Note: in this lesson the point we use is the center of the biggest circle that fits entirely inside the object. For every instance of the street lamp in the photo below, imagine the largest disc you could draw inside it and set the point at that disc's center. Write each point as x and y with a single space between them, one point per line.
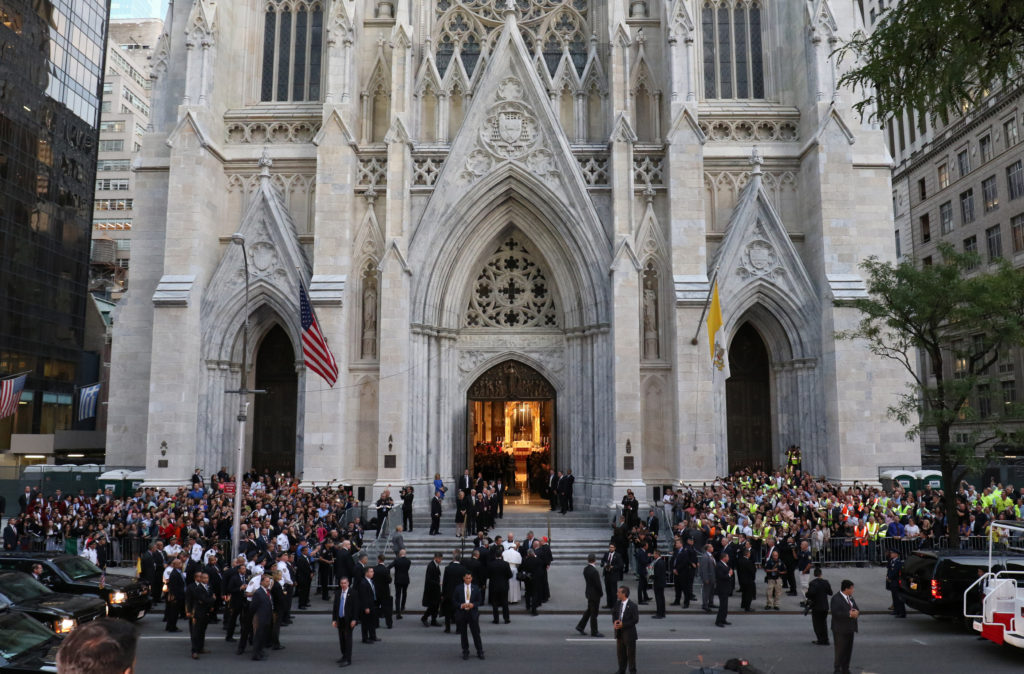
243 406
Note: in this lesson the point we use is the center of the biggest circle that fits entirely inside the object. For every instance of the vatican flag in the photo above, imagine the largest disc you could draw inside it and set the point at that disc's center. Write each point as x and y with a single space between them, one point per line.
716 335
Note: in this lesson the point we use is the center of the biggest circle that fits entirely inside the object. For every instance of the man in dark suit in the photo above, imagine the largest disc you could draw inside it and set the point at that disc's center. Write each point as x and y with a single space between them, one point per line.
570 480
11 535
432 591
175 597
367 593
325 559
612 571
465 600
382 584
553 490
660 571
234 590
435 514
262 611
303 573
216 583
199 604
346 615
723 588
818 593
625 616
746 574
593 593
401 567
844 626
498 574
156 581
450 582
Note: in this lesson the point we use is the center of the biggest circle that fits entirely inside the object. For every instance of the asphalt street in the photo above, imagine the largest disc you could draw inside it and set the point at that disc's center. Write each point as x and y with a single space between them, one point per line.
773 642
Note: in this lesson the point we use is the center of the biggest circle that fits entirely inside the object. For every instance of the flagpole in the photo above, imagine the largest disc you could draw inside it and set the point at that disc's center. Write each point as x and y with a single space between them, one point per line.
707 302
14 376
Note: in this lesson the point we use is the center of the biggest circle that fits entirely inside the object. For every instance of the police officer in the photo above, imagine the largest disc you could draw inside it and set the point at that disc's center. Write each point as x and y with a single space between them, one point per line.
893 574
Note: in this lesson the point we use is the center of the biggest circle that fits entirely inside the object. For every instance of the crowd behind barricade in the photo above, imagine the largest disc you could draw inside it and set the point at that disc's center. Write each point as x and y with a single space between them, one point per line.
788 509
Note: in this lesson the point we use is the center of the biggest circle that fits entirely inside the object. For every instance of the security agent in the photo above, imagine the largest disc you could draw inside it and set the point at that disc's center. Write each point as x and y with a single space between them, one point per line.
103 646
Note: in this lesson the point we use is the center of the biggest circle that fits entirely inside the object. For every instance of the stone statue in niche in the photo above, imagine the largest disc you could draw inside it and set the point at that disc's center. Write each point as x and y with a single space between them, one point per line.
369 333
650 313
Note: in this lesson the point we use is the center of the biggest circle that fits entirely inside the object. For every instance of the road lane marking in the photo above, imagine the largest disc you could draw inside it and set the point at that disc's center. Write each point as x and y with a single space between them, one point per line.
611 641
918 641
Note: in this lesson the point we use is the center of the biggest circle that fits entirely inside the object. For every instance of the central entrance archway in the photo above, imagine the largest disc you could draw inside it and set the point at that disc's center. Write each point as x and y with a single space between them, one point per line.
511 426
748 401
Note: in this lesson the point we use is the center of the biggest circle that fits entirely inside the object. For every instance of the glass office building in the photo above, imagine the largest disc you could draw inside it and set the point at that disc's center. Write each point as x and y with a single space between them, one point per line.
50 78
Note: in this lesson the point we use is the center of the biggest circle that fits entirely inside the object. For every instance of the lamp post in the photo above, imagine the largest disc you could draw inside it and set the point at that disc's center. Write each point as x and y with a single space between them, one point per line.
243 406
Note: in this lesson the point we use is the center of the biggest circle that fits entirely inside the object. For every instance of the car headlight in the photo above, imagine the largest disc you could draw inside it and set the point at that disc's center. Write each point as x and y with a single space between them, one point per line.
64 625
118 597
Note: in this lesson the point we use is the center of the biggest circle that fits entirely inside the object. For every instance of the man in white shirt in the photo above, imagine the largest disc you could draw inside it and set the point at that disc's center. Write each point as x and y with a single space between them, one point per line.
282 540
196 550
172 549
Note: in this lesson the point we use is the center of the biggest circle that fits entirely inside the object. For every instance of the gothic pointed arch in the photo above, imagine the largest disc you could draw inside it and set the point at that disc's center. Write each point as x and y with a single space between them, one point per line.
645 95
517 170
758 265
376 99
275 259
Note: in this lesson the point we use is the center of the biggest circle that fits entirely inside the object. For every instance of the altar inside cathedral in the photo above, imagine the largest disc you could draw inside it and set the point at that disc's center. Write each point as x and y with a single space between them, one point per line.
512 439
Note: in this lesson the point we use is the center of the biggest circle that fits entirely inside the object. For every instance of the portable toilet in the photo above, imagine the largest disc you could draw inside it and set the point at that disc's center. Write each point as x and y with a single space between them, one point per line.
898 477
115 480
929 477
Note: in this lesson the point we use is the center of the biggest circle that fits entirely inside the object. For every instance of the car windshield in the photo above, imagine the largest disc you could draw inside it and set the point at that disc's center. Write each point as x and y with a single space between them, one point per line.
19 587
77 567
19 634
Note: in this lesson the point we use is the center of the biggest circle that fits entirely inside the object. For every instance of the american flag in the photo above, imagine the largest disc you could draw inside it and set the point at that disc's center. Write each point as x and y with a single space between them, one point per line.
10 394
315 351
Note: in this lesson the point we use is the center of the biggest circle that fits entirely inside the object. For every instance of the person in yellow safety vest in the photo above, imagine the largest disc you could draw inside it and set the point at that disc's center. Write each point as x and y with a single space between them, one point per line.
860 543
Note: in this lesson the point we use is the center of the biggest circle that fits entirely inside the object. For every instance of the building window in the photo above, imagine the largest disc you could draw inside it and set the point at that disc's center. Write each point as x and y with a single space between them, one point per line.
112 184
113 165
137 101
946 217
1015 179
959 360
990 192
922 189
292 50
1017 228
943 173
963 162
105 106
733 61
926 261
119 225
985 147
971 247
1009 389
108 87
994 240
926 228
112 127
111 146
967 207
1010 131
113 204
899 246
984 401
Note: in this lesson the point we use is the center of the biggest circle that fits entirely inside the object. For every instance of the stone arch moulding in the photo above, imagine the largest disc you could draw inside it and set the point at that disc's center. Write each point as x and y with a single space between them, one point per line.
574 254
490 361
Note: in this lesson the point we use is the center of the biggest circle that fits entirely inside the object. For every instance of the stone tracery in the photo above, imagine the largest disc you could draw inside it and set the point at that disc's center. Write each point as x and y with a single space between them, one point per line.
511 291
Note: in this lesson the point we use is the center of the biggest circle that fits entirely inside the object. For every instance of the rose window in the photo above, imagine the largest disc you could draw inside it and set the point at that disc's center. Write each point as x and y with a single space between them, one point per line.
511 292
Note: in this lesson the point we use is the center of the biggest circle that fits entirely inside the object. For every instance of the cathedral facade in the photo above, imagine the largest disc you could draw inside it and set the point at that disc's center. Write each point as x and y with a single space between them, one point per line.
508 215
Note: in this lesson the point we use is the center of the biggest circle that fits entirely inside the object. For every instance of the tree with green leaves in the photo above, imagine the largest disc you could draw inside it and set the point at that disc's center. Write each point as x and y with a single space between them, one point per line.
935 56
954 313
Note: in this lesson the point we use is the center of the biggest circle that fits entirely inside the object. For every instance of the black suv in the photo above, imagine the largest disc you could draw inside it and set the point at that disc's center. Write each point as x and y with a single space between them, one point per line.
934 581
26 645
126 597
58 611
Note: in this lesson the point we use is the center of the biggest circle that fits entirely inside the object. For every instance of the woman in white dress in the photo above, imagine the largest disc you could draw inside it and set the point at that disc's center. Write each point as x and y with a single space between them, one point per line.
514 559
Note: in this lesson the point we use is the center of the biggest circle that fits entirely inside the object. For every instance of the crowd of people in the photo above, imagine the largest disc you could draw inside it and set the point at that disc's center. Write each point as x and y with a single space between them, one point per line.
714 538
